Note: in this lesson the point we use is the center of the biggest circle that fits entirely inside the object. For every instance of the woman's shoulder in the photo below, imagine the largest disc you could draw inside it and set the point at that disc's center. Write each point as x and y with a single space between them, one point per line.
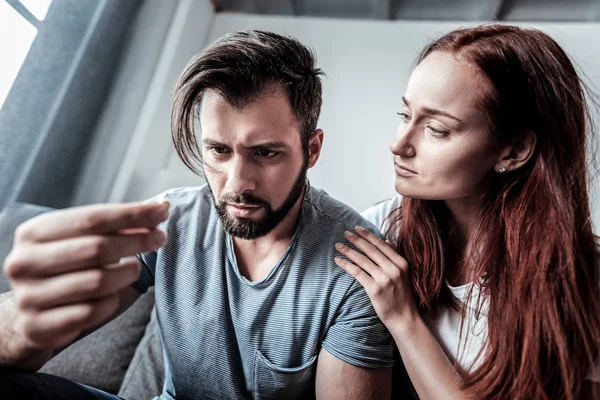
378 213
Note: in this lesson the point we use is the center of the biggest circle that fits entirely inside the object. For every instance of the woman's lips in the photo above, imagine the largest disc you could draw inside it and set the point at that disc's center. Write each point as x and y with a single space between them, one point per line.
403 171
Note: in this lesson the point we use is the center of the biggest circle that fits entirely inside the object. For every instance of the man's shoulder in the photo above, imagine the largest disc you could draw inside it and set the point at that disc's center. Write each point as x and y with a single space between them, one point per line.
181 196
187 204
378 213
326 212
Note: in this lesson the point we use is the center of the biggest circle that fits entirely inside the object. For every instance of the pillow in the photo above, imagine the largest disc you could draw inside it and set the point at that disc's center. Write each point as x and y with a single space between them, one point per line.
146 374
102 358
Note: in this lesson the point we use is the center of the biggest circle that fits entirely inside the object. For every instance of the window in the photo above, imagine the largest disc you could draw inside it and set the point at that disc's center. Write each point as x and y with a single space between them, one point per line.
19 22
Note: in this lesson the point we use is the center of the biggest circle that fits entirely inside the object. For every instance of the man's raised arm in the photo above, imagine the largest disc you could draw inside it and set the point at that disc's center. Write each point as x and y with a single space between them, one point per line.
67 278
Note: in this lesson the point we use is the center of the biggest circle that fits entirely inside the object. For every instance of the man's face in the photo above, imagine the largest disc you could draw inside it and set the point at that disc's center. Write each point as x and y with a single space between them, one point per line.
253 161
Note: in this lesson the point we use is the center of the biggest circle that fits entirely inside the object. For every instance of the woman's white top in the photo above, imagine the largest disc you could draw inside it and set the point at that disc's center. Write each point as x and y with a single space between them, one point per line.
445 325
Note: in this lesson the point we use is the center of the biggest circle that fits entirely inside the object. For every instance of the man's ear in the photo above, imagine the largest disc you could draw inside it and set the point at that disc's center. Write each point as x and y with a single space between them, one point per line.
315 144
516 154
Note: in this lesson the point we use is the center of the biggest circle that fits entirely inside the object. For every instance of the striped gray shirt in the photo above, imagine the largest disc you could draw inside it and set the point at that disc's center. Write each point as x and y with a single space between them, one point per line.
227 337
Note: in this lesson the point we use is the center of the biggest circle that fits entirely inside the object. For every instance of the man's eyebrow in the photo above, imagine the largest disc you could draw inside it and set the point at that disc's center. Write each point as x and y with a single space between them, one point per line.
267 145
211 142
257 146
433 111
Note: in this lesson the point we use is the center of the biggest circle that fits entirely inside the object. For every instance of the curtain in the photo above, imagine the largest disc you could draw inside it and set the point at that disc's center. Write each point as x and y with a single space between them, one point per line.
47 121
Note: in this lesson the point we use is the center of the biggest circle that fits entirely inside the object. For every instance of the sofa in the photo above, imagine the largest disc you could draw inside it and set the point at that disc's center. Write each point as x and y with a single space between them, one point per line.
124 357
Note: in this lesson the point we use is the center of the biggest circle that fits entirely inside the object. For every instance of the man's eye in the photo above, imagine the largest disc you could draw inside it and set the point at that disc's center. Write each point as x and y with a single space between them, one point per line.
266 153
219 150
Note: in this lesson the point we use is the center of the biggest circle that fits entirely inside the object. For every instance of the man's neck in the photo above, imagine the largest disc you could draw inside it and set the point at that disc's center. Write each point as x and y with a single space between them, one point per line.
256 257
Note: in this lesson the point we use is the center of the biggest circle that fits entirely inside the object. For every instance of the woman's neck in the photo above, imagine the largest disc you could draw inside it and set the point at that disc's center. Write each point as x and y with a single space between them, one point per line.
463 216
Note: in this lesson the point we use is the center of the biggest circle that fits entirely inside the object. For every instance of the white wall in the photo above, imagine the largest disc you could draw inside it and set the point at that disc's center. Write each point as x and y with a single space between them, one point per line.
144 171
367 65
124 105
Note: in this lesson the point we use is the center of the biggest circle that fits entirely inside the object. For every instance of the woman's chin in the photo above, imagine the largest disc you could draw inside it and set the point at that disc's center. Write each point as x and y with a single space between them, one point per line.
414 193
405 190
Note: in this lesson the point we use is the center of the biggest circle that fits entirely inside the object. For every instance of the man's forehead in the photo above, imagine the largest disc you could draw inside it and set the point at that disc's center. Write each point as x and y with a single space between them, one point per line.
266 119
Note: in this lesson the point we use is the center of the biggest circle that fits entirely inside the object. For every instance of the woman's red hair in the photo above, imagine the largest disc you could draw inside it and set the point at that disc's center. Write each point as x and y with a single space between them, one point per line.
538 260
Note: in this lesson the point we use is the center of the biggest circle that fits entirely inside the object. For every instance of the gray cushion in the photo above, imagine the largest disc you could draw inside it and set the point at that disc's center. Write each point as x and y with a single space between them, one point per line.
145 377
102 358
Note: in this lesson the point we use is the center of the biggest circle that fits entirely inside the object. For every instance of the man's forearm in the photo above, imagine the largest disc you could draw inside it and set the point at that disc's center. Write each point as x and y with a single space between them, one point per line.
14 352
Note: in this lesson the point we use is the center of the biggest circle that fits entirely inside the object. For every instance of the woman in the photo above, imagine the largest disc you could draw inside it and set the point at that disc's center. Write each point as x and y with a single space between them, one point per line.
489 279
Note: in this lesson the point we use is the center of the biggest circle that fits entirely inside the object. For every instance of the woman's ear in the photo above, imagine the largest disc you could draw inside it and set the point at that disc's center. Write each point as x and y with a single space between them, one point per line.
516 154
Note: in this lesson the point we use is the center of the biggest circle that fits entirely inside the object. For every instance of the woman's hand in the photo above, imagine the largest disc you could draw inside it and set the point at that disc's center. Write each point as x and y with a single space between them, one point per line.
382 272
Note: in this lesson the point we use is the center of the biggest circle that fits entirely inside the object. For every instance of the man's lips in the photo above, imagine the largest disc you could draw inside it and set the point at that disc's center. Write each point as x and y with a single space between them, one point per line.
243 205
243 210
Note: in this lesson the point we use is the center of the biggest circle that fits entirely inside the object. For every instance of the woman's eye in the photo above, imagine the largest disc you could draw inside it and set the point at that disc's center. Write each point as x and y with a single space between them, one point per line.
404 116
266 153
436 132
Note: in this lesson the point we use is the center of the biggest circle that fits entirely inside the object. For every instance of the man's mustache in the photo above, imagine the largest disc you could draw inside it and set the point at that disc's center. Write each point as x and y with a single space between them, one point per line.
243 198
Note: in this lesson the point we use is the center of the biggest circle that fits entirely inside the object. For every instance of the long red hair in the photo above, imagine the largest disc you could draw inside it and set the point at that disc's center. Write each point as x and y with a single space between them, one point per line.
537 257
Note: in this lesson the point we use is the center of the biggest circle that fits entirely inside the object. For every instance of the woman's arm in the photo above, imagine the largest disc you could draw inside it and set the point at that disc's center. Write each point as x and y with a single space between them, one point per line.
386 278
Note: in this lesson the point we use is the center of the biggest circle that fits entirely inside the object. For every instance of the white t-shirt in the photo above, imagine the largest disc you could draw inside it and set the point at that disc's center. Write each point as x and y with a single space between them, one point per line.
446 324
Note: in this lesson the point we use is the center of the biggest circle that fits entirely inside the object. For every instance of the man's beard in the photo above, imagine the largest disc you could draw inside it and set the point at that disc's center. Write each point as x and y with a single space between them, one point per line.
246 228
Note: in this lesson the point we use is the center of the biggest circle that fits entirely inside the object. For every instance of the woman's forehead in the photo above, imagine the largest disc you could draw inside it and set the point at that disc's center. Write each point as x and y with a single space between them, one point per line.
443 81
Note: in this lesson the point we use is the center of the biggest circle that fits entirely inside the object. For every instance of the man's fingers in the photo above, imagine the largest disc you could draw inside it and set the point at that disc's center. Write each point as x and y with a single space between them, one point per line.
58 327
76 287
91 220
54 258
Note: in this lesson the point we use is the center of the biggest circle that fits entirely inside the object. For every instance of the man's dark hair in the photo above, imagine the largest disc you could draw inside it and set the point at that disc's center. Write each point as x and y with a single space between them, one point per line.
240 67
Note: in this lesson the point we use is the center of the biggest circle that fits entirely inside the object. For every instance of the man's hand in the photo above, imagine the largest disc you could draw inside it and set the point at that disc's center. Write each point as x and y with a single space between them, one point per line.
65 272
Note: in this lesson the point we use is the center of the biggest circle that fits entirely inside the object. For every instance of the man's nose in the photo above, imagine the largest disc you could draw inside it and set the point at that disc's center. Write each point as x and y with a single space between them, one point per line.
240 176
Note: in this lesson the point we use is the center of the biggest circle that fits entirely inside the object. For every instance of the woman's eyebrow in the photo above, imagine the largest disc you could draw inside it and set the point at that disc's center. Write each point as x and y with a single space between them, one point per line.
433 111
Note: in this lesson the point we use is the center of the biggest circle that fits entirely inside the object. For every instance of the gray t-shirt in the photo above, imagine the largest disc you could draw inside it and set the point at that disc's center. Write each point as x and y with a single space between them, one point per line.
226 337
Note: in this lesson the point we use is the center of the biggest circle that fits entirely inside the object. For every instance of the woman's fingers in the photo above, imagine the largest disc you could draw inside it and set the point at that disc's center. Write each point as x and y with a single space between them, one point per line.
357 273
381 271
364 262
357 258
384 248
374 253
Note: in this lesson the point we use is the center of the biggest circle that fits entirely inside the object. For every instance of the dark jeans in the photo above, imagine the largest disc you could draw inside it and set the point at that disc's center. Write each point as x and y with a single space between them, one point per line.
17 385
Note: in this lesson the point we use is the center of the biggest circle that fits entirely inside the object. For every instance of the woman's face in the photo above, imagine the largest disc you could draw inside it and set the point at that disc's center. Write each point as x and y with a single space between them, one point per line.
444 149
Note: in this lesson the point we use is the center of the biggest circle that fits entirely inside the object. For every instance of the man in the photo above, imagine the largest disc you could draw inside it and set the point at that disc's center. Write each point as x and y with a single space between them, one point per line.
249 300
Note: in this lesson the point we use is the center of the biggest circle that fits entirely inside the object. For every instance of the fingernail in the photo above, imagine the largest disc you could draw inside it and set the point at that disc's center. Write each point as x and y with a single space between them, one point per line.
360 229
339 246
348 235
164 198
160 213
162 238
337 259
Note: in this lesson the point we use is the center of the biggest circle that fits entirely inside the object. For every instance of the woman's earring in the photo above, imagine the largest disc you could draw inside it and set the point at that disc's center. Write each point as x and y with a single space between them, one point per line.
502 169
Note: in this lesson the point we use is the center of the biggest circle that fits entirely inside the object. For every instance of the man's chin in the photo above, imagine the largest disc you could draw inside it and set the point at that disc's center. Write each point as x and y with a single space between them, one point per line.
246 228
